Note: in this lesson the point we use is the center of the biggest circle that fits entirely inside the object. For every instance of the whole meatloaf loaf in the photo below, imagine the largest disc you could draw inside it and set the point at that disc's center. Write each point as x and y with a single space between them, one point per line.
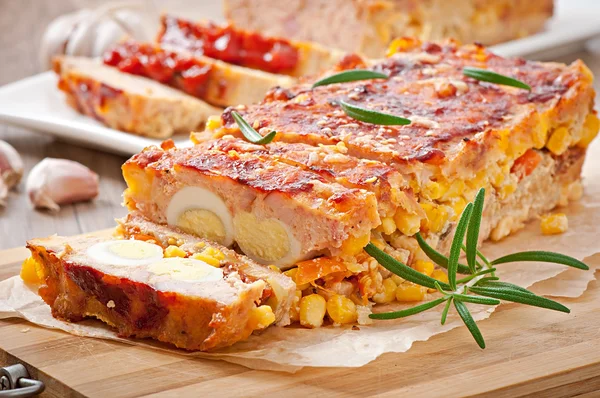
191 293
368 26
526 148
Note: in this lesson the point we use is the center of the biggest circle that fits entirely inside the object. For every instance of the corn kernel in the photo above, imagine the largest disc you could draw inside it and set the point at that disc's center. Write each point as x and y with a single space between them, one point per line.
559 141
590 130
409 292
389 225
174 251
213 123
439 275
341 309
402 44
424 267
388 294
434 190
261 317
397 279
312 310
540 134
354 245
458 205
554 224
436 216
506 190
210 256
408 224
31 272
456 189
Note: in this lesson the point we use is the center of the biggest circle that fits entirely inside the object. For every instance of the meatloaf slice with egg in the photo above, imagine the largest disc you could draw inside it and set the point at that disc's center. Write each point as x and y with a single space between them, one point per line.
275 212
175 294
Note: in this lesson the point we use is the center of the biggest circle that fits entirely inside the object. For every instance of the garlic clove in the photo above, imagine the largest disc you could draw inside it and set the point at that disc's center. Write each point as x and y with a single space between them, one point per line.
11 165
53 182
56 36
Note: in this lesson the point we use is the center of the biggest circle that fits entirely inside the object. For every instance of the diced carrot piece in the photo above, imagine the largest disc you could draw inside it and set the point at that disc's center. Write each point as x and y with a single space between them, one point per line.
525 164
314 269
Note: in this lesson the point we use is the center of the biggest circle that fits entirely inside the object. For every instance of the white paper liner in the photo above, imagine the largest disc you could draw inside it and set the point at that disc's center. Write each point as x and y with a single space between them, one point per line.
289 349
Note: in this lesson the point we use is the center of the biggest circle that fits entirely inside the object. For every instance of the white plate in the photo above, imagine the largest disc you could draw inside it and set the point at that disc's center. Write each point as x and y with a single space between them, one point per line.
37 104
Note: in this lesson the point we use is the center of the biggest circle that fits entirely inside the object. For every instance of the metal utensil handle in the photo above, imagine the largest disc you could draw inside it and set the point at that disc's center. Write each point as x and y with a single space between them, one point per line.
15 382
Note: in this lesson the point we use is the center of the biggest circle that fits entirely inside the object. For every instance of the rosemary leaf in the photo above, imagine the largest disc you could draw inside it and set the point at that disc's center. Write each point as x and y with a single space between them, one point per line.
486 279
518 296
464 313
350 76
493 77
438 257
371 116
402 270
473 230
475 299
251 134
409 311
542 256
459 235
445 312
475 275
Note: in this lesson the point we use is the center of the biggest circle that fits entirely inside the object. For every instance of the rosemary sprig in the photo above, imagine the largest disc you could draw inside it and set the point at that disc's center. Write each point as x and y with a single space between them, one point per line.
251 134
350 76
481 285
493 77
371 116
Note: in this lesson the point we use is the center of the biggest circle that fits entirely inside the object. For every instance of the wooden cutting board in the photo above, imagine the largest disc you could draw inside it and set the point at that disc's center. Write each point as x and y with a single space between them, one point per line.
530 351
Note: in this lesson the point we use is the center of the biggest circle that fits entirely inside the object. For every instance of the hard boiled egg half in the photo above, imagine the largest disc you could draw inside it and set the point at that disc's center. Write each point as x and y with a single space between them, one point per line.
200 212
125 252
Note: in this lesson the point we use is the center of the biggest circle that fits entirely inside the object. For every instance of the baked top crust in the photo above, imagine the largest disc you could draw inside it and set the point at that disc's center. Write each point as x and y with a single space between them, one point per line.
450 113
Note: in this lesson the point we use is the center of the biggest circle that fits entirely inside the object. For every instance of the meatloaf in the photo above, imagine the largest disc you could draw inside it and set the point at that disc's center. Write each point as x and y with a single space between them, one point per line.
368 26
192 294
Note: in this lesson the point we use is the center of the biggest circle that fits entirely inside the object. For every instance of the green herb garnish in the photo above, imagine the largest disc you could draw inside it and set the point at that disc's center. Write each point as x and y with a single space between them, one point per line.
373 117
251 134
481 286
493 77
350 76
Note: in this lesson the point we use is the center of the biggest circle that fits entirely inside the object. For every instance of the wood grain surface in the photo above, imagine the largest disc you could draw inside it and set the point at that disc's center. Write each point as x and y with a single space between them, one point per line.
530 352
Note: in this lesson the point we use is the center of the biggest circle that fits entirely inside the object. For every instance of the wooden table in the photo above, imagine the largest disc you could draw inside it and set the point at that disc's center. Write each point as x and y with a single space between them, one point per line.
22 23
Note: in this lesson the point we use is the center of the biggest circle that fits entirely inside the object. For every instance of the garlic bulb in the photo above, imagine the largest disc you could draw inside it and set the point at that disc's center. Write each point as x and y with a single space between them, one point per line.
53 182
11 170
89 32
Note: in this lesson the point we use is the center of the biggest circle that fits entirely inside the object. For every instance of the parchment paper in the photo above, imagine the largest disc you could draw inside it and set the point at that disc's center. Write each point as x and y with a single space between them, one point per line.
289 349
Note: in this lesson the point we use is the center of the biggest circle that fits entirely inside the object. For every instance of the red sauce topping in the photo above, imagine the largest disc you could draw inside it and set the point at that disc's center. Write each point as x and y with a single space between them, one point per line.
230 44
176 70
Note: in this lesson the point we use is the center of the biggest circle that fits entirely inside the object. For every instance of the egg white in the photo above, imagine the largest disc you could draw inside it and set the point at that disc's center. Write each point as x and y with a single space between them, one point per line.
190 198
186 269
125 252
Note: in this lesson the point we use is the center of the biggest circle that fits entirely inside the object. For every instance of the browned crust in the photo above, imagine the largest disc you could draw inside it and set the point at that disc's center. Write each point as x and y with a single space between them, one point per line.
451 128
